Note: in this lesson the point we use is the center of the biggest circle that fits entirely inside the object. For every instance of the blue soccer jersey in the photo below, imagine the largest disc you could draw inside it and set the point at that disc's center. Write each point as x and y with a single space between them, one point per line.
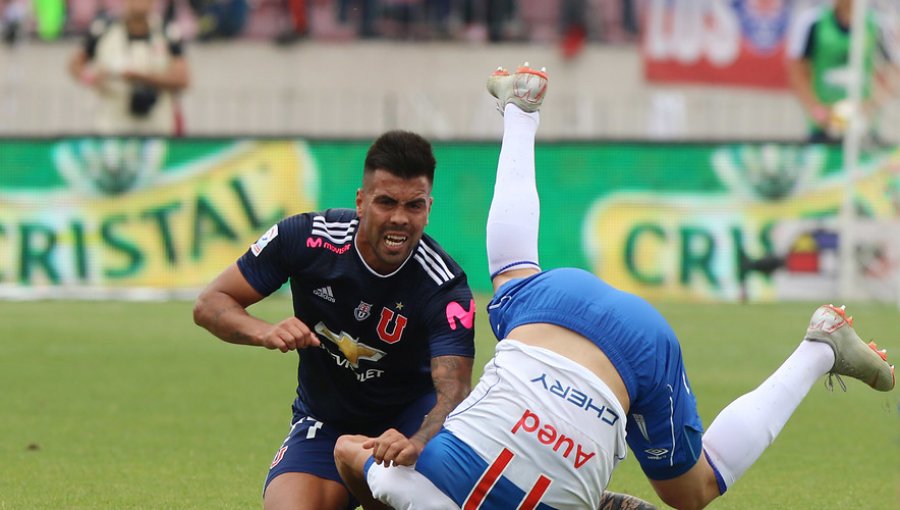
663 426
378 332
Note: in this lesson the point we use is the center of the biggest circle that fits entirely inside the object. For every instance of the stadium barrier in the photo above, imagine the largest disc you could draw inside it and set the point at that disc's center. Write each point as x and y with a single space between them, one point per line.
156 218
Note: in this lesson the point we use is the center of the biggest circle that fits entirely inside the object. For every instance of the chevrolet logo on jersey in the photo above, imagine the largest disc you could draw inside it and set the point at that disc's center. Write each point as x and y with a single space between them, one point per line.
351 348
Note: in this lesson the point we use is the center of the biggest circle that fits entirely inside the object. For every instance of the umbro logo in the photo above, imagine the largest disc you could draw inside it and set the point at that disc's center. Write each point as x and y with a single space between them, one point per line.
656 453
325 293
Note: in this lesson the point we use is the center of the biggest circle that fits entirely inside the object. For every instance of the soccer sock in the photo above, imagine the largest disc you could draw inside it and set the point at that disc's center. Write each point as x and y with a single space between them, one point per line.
747 426
512 227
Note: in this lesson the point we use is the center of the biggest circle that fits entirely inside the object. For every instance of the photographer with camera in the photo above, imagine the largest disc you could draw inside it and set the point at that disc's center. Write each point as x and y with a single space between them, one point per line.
137 66
818 65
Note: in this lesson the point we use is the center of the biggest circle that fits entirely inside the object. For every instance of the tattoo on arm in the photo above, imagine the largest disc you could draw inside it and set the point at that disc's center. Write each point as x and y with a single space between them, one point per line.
222 311
238 337
616 501
222 324
452 376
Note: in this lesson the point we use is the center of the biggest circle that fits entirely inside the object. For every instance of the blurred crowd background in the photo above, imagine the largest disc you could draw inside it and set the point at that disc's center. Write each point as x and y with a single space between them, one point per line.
287 21
353 68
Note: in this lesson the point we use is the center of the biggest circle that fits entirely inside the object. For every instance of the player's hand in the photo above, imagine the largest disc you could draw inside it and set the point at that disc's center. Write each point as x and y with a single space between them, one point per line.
132 76
288 335
820 114
94 78
393 448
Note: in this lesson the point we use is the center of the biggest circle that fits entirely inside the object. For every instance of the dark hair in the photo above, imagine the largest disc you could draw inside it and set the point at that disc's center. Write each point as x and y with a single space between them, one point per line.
403 154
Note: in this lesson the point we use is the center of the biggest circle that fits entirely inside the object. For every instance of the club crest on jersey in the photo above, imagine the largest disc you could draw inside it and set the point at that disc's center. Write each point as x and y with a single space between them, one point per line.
278 456
257 247
362 311
393 334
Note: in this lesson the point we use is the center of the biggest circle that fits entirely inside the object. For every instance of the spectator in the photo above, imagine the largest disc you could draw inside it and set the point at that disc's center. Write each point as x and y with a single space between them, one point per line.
219 19
573 17
12 15
366 12
298 22
618 23
497 15
137 66
818 67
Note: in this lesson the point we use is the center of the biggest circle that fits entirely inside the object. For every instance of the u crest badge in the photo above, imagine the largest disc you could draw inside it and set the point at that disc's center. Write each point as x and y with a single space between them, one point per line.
362 311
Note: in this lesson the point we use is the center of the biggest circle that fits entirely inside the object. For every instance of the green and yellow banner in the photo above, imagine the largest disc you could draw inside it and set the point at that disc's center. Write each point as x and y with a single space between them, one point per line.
666 221
130 214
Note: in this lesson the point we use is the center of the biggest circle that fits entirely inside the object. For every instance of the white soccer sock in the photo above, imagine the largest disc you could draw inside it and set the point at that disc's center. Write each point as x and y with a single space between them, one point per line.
747 426
512 227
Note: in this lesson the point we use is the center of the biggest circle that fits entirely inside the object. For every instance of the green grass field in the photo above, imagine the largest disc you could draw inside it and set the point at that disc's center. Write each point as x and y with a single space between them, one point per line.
110 405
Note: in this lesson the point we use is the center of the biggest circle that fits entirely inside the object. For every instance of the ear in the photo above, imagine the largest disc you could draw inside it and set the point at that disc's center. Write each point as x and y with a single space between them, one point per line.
359 201
428 214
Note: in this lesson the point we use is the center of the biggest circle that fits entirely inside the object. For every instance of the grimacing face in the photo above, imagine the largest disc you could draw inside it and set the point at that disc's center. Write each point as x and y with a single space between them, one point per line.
392 213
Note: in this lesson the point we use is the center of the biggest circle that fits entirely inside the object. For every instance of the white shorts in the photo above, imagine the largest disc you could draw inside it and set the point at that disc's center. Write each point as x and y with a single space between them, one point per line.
538 431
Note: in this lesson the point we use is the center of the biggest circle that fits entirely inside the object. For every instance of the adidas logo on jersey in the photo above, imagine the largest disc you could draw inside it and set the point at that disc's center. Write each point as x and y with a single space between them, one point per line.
325 293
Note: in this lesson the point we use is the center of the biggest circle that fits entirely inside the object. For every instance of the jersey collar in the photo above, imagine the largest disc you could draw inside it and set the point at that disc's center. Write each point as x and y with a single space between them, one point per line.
376 273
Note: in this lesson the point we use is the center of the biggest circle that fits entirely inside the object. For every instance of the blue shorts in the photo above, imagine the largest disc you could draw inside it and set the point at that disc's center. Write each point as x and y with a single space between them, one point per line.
309 447
665 433
664 428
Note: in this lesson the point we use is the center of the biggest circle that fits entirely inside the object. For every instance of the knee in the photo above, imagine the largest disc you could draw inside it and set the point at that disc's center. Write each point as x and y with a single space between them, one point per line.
348 449
688 496
344 448
685 501
690 491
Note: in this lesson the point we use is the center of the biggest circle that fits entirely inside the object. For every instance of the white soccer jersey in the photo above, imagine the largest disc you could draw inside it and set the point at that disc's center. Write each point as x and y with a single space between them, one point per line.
538 432
544 423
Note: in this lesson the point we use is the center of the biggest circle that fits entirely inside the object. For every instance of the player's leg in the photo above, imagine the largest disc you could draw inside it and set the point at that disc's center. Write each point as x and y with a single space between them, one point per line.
664 430
379 487
350 458
738 436
303 475
747 426
512 228
735 439
295 491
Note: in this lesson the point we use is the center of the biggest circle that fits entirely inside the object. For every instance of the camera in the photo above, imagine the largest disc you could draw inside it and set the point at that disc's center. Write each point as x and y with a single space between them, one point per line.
143 98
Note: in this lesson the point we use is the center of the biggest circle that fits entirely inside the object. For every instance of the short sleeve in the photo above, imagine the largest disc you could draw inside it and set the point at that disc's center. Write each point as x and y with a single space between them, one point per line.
451 320
265 264
95 31
174 39
800 36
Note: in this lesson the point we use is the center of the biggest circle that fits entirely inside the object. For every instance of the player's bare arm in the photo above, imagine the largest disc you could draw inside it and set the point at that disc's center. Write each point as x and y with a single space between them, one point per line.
175 78
452 376
799 74
222 309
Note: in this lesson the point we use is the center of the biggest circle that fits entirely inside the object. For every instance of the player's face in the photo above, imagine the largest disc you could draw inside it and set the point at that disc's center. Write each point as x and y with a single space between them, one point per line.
393 213
138 8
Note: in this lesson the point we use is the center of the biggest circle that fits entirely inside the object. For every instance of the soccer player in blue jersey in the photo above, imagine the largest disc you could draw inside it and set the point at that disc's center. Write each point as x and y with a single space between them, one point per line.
579 364
383 323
